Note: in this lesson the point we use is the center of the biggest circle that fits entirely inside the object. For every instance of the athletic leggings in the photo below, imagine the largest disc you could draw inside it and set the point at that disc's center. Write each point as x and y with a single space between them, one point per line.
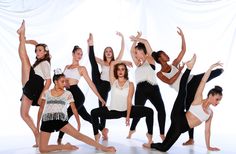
79 103
179 123
102 86
136 112
192 88
145 91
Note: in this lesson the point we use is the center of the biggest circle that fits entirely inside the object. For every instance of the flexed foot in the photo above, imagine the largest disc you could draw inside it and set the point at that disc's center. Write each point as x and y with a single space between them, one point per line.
130 134
191 62
189 142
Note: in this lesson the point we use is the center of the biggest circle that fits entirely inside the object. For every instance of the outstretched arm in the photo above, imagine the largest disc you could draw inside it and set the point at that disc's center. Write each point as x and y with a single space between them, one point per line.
33 42
208 134
183 49
84 73
121 53
129 102
198 94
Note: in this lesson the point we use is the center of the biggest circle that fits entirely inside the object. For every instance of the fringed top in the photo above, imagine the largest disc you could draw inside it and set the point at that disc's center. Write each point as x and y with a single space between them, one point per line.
56 106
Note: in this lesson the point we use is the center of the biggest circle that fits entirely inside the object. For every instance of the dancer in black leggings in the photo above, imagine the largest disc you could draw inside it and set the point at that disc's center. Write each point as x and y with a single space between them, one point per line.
199 111
122 91
147 87
73 73
101 80
171 75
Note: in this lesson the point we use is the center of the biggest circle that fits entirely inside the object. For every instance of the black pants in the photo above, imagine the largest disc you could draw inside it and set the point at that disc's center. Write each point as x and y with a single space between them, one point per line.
179 122
136 112
102 86
145 91
192 88
79 103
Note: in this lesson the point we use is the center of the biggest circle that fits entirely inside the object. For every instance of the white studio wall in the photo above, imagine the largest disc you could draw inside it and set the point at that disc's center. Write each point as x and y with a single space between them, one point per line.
208 25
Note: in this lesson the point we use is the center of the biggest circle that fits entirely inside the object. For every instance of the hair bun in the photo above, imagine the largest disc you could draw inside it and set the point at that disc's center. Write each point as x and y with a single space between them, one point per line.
218 88
57 71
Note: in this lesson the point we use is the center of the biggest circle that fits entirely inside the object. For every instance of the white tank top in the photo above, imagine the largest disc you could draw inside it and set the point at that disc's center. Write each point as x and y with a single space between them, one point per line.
72 73
105 73
119 96
198 111
170 74
145 73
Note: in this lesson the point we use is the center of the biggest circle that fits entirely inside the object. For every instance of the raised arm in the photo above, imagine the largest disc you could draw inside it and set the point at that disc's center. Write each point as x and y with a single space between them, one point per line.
208 134
121 53
84 73
132 50
183 49
33 42
198 94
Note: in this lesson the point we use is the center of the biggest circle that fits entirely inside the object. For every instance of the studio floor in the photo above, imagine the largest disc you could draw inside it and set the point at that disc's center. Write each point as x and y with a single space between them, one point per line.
22 143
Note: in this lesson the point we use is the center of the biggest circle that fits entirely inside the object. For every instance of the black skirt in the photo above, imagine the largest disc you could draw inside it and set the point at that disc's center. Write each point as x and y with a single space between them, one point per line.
33 87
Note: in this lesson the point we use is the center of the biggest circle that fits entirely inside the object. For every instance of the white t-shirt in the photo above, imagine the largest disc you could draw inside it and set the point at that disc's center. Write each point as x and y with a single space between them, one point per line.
43 69
56 106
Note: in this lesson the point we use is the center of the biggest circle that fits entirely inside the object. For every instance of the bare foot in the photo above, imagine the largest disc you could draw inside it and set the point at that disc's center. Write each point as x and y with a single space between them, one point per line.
97 137
149 136
147 145
162 136
191 62
22 28
68 146
59 141
109 149
130 134
189 142
104 134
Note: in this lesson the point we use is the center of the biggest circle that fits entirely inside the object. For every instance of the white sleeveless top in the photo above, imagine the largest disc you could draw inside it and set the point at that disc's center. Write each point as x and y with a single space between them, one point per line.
119 96
43 69
198 111
105 73
72 73
170 74
56 106
145 73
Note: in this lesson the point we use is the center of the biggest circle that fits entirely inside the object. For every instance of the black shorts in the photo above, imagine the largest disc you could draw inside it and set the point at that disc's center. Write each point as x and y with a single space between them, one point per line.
52 125
33 87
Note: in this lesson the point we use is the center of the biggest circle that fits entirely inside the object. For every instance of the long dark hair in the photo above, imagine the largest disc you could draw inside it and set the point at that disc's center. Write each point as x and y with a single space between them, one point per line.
104 56
215 90
47 56
126 75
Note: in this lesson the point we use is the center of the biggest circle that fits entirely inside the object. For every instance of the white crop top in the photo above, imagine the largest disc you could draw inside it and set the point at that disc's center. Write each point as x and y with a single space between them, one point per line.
145 73
119 96
198 111
72 73
105 73
56 106
170 74
43 69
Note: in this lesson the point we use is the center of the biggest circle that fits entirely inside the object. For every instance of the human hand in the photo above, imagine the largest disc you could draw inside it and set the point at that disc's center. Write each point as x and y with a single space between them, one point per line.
216 64
127 121
119 34
181 66
180 32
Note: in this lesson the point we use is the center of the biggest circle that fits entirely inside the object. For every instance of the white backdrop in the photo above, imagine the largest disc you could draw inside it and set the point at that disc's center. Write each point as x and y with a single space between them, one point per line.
209 28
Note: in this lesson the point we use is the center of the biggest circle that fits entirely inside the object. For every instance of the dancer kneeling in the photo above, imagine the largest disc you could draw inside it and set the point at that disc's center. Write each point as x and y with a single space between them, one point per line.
122 91
199 111
53 111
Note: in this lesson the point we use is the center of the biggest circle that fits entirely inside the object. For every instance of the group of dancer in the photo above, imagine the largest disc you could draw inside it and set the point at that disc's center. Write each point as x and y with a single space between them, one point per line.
65 99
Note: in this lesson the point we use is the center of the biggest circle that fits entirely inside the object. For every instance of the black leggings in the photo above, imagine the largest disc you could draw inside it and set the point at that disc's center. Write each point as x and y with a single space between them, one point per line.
79 103
145 91
179 123
136 112
102 86
192 88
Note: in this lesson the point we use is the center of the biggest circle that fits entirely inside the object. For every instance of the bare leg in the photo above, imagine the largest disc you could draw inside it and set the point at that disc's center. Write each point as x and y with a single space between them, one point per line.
131 132
24 111
74 133
25 62
44 147
104 134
